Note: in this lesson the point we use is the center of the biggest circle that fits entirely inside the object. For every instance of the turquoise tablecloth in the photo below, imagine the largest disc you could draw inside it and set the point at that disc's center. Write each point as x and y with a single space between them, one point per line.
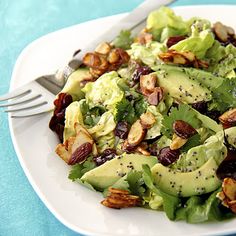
22 21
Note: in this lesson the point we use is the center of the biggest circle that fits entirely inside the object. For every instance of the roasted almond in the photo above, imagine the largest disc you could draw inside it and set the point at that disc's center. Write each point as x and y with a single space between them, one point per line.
147 120
147 84
177 142
183 129
228 119
156 96
103 48
136 133
229 188
92 60
221 31
118 198
142 151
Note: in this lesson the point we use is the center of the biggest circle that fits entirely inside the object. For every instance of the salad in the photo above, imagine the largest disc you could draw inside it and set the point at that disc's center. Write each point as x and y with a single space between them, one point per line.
150 120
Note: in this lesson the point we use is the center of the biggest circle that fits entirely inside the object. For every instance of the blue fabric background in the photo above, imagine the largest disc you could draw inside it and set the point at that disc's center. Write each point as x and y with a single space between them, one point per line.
21 21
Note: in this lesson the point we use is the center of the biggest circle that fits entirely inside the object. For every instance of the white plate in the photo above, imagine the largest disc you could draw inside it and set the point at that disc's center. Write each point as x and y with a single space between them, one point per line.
74 205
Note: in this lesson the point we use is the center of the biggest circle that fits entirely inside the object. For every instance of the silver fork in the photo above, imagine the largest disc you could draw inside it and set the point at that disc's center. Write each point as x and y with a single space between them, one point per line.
37 96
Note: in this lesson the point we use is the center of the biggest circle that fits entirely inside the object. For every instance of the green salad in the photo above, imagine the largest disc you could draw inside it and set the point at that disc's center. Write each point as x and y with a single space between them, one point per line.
149 120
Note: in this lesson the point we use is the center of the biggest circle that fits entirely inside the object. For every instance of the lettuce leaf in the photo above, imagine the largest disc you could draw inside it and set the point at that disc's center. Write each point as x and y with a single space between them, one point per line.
105 125
163 23
198 43
73 114
104 91
148 53
222 59
198 210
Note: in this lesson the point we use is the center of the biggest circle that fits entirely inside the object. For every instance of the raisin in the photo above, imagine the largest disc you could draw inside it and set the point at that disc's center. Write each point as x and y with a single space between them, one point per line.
107 155
140 70
200 106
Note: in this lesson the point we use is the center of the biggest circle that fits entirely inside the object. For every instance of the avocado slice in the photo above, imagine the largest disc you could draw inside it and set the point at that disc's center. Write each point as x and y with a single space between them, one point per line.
111 171
186 184
204 78
72 85
178 84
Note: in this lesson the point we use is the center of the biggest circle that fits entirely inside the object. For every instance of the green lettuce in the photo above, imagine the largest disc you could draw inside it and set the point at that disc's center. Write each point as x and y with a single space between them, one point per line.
155 130
199 155
198 43
148 53
105 125
163 23
104 91
198 209
222 59
73 114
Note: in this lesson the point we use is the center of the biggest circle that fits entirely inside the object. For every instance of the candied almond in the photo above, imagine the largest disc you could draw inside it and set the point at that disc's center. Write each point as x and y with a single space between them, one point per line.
147 83
183 129
136 133
156 96
147 120
103 48
228 119
177 142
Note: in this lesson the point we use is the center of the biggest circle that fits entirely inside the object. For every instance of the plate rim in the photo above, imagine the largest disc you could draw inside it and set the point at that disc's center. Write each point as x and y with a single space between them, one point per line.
20 157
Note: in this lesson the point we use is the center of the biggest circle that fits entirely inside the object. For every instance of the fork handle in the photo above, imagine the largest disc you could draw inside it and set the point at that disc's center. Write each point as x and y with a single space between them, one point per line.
130 21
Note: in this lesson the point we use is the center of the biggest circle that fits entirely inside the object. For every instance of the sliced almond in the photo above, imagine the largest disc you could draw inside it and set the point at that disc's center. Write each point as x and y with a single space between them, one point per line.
228 119
229 188
113 56
177 142
143 151
136 134
118 198
221 31
147 120
147 84
103 48
92 60
183 129
156 96
78 128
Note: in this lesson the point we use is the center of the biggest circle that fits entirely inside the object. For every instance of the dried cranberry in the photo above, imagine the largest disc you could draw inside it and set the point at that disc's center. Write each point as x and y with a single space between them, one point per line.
57 121
59 129
140 70
173 40
200 106
107 155
122 130
227 168
167 156
67 100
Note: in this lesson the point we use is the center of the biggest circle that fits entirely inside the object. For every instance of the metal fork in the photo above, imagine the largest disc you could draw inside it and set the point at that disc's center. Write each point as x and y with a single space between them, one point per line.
37 96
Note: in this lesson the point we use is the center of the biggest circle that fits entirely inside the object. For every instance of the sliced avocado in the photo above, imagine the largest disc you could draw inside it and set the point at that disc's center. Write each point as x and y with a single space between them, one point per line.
111 171
72 85
230 134
186 184
179 85
204 78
